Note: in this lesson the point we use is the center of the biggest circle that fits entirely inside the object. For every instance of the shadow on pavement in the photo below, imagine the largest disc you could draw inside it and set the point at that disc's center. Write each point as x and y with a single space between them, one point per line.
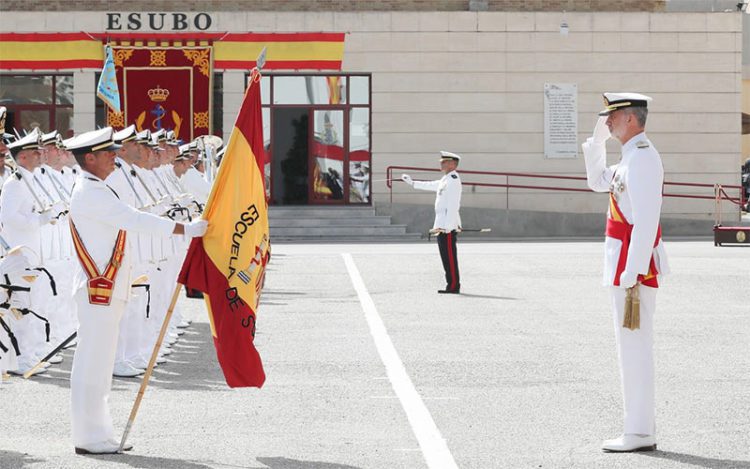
17 460
148 462
699 461
192 366
286 463
491 297
271 292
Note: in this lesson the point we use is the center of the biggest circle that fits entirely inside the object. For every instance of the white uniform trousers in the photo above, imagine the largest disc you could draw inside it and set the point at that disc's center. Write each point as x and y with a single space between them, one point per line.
132 326
93 363
152 326
61 308
635 352
31 333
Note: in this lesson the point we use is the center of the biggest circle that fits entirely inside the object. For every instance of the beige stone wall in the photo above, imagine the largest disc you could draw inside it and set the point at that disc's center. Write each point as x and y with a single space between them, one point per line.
331 5
473 83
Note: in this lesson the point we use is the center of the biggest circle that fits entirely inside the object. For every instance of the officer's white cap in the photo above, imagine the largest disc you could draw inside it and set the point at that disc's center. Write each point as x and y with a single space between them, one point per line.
143 137
154 143
184 152
159 136
615 101
89 142
52 138
446 155
32 141
126 135
172 138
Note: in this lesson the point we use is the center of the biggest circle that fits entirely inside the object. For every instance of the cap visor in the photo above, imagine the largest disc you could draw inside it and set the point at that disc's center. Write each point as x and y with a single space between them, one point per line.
605 112
112 147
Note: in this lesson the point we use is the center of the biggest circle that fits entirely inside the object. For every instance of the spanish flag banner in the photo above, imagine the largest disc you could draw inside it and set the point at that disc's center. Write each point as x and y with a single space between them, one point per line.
228 263
232 51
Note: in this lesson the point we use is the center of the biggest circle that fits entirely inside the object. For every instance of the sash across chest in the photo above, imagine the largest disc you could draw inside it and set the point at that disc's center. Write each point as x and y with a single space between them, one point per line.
100 285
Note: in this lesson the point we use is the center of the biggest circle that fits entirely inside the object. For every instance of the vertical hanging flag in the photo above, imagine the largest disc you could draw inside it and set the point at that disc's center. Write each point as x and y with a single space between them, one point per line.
228 263
107 89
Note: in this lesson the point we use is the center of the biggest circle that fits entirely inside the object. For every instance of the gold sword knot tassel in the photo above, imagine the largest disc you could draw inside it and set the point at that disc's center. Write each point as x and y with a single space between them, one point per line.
632 319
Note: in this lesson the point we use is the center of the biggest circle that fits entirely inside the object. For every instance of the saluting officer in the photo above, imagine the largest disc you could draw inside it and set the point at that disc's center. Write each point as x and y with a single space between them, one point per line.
634 254
447 219
100 223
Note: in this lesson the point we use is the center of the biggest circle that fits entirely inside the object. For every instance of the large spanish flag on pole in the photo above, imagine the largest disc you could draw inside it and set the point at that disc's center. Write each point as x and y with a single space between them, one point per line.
228 263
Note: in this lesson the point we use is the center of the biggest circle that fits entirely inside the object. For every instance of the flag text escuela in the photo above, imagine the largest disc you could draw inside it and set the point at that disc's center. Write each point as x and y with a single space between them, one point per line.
228 263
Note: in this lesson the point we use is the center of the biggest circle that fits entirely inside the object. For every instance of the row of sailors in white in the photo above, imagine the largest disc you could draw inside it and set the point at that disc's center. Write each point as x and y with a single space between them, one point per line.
153 174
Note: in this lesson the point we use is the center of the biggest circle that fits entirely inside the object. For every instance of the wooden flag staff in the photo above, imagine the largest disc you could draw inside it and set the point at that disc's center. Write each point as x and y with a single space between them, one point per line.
150 369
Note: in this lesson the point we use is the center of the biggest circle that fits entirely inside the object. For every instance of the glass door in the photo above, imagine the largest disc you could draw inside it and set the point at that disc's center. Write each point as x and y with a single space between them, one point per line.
290 156
329 161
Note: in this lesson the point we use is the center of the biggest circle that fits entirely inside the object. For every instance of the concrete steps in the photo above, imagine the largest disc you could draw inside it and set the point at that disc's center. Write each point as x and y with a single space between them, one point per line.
334 224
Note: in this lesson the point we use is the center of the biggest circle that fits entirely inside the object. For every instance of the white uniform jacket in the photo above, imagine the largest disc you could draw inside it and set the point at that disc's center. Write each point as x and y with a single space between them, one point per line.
636 182
447 201
98 215
5 175
196 185
19 213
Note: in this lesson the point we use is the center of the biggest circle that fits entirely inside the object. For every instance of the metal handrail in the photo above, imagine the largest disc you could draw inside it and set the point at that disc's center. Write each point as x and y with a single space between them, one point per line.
722 195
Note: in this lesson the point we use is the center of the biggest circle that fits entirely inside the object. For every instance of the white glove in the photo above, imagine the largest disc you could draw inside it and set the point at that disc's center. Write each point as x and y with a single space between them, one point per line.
601 131
48 216
628 279
196 228
407 179
58 207
159 208
13 264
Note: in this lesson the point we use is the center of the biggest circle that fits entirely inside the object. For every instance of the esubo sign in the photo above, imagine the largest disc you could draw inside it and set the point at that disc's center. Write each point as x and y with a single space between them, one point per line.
158 21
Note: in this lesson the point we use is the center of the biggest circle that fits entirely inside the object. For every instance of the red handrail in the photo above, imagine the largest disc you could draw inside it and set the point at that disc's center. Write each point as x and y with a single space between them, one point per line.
723 195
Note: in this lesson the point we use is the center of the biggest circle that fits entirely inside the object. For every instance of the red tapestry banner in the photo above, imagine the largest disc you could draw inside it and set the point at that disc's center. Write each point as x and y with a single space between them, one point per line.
164 88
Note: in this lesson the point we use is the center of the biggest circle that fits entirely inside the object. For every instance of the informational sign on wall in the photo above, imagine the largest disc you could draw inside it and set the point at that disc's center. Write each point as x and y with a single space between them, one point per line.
560 120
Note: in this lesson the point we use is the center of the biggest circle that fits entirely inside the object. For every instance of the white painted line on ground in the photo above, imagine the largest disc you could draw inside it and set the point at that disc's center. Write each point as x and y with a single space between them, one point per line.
434 449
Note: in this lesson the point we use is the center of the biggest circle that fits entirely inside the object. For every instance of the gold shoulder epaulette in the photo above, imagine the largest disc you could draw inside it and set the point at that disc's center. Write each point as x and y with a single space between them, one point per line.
642 144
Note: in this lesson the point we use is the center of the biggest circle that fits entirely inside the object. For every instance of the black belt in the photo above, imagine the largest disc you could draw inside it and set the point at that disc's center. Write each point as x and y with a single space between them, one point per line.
13 340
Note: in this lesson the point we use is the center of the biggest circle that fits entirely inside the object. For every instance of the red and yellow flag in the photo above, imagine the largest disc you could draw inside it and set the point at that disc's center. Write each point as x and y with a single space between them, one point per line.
228 263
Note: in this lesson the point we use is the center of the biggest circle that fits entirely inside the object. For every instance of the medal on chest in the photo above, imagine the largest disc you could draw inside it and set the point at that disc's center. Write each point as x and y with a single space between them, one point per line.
617 187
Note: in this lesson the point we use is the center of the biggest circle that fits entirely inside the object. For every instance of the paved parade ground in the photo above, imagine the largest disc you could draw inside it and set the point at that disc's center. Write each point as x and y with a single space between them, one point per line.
368 367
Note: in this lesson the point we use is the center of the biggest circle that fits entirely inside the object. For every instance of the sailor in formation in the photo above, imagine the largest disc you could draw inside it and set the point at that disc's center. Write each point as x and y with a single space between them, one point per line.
39 309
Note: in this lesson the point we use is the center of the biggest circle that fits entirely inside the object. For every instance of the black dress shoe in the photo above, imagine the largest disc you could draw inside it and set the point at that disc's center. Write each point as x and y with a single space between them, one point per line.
455 292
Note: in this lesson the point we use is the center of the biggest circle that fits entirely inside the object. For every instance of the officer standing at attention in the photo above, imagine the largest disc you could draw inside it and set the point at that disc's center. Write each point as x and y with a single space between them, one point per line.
100 223
447 219
634 254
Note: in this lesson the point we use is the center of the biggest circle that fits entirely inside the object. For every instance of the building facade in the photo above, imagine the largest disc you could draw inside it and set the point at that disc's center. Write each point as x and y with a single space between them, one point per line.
476 78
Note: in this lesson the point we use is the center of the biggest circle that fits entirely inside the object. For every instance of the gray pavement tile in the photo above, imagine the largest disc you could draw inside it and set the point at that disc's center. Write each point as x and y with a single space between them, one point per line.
519 371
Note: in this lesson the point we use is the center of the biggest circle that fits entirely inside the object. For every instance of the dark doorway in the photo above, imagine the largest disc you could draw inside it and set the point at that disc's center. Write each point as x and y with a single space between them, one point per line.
290 155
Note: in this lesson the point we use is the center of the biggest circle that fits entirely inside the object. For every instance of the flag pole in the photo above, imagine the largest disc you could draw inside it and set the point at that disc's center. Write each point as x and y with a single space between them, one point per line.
150 369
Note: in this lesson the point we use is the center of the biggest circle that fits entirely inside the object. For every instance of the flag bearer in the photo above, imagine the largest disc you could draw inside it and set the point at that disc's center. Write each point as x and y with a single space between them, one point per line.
100 223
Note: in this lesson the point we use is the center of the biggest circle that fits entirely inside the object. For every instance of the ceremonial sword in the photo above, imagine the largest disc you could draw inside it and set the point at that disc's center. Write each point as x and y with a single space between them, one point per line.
130 183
